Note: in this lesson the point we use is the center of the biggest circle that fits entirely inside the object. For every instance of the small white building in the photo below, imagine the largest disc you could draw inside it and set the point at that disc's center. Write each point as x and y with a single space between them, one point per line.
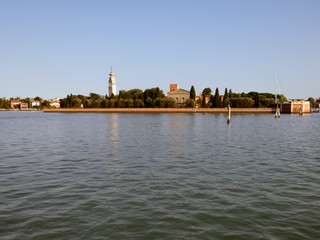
35 103
54 102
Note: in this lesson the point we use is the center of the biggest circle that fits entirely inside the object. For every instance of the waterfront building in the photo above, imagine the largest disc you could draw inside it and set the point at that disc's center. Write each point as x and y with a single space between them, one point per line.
112 84
23 105
55 102
15 104
294 106
35 103
178 94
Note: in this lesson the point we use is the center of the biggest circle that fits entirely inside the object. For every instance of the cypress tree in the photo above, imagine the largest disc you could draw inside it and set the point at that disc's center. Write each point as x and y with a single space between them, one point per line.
230 94
68 101
157 93
205 92
225 97
257 100
203 103
217 99
192 93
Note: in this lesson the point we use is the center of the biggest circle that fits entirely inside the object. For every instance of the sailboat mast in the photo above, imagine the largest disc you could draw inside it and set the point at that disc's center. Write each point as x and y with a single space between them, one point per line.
275 72
276 97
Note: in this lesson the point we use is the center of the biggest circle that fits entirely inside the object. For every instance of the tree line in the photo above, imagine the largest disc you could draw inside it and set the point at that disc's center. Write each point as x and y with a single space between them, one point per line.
238 100
134 98
154 98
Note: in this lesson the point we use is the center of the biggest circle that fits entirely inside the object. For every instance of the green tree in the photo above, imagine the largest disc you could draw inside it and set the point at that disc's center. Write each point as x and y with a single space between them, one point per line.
95 103
120 103
123 94
138 103
63 102
216 100
225 102
241 102
158 93
256 100
170 103
45 103
94 96
152 93
76 102
148 102
205 92
159 102
130 103
87 104
312 101
230 93
192 93
83 99
105 103
282 98
190 103
112 103
266 102
135 94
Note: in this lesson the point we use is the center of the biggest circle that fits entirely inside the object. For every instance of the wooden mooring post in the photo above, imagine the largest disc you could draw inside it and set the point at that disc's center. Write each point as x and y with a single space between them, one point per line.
229 114
277 113
300 111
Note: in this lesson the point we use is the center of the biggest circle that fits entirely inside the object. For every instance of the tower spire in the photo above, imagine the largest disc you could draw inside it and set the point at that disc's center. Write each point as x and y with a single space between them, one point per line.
112 83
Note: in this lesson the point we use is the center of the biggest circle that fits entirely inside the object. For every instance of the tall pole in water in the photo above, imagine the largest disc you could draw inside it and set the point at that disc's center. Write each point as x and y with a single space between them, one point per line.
276 97
275 77
229 114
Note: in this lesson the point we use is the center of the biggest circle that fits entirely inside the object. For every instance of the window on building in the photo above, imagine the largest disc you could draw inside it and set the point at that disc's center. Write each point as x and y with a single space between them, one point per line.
182 100
177 100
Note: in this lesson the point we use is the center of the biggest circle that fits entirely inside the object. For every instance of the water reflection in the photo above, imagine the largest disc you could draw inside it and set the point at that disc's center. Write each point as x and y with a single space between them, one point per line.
160 176
113 131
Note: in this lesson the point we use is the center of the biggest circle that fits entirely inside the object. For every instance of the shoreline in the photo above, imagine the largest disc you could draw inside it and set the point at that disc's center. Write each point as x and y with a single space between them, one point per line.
158 110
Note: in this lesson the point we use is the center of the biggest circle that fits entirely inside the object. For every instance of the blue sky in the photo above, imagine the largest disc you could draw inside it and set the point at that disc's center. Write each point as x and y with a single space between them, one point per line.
53 48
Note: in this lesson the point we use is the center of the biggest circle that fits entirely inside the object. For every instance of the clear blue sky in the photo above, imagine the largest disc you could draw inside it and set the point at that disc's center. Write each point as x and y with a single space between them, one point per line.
53 48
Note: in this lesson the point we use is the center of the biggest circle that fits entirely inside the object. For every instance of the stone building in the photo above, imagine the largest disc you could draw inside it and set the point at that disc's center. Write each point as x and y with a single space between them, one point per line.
294 106
178 94
112 84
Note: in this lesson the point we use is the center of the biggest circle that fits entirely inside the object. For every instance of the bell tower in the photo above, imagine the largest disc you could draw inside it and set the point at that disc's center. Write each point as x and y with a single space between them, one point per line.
112 83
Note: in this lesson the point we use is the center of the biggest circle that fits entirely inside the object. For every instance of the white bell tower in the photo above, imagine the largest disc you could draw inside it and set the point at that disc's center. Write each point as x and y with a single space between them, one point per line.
112 84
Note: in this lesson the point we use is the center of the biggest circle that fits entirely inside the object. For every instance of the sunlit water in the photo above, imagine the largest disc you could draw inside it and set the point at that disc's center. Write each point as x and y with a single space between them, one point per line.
159 176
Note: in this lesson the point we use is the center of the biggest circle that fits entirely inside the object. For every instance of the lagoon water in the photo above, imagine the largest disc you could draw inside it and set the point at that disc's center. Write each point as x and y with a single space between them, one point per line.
159 176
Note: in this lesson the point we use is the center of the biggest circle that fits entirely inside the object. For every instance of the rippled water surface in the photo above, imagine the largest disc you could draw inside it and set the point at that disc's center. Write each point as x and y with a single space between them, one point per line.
159 176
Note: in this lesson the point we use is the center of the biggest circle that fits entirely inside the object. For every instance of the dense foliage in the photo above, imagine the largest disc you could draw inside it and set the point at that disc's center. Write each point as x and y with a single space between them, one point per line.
240 100
4 103
192 93
134 98
154 98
